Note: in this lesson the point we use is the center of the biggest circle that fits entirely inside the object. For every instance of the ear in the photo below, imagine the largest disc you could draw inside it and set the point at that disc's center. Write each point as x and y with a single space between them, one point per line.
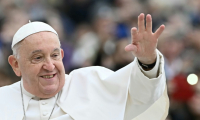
62 53
14 64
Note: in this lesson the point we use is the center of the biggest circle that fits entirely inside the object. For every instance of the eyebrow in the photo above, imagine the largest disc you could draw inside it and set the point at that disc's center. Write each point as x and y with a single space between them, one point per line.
56 49
38 51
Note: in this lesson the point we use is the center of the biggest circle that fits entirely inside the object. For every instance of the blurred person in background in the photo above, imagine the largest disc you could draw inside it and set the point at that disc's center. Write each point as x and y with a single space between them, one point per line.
8 28
86 47
126 57
171 47
136 91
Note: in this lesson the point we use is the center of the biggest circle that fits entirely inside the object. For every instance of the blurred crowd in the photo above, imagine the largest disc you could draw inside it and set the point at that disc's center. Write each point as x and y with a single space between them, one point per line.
95 32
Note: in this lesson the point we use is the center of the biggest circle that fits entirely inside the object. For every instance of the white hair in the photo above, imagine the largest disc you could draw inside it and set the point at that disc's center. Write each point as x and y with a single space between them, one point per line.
15 50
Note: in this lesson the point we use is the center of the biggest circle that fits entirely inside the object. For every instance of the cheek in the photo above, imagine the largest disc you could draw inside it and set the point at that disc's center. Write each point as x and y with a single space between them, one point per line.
60 67
31 72
61 70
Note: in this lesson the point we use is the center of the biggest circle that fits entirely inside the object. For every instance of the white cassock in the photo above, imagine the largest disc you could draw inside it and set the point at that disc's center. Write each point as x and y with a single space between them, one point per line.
95 93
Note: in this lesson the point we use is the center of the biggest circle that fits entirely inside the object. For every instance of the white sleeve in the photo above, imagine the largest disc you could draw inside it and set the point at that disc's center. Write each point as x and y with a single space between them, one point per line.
147 93
153 73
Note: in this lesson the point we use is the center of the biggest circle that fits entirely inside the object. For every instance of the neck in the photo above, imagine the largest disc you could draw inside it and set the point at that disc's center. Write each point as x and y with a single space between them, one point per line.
39 95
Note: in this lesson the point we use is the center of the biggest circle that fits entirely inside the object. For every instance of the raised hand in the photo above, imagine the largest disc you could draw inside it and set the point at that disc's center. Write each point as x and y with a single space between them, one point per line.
144 41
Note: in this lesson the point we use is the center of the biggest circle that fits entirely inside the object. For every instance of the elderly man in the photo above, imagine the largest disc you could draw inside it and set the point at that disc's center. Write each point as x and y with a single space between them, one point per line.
45 92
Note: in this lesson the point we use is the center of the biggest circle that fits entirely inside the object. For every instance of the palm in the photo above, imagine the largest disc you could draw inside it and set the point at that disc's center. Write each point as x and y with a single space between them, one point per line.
144 41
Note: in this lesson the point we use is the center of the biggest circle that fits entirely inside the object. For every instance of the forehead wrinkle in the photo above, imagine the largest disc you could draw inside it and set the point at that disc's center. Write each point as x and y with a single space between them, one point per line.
39 51
36 51
38 38
30 39
43 34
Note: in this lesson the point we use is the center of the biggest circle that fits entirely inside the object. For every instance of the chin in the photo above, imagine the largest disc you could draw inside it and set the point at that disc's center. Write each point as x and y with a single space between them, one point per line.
50 90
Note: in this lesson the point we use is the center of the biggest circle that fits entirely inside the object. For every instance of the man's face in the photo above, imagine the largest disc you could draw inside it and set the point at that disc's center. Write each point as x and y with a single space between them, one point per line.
40 64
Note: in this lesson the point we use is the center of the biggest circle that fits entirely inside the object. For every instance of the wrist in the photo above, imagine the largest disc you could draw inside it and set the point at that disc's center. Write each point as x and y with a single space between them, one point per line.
147 66
148 59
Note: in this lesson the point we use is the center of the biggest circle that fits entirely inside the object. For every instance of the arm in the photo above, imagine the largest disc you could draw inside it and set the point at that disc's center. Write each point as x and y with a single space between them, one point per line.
147 89
122 95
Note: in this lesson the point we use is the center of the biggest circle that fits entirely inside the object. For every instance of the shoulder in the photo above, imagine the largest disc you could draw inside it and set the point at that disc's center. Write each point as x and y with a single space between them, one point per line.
10 102
94 68
10 88
99 71
8 94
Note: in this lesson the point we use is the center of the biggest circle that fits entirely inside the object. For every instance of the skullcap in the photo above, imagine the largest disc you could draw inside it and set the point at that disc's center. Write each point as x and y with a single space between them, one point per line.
29 29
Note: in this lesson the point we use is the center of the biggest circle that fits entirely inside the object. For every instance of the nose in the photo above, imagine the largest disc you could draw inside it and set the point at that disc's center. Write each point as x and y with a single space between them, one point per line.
49 65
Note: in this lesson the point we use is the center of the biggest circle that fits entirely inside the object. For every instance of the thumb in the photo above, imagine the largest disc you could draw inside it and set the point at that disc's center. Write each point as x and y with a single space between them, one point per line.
131 48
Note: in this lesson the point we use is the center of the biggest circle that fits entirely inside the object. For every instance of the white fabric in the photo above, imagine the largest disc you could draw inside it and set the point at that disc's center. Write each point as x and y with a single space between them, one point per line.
29 29
41 109
96 93
153 73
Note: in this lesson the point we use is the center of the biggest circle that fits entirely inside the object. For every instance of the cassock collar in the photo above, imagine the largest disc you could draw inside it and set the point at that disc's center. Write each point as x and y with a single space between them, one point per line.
28 96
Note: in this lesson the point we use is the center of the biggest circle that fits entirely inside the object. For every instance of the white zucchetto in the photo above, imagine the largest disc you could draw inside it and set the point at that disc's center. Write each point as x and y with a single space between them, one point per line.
29 29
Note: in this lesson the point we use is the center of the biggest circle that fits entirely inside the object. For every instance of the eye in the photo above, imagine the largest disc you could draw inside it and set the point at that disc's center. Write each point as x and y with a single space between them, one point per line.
37 59
56 56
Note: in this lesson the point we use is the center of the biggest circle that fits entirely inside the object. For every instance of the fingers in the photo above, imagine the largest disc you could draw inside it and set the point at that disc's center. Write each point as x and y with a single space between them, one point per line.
159 31
141 26
134 34
148 23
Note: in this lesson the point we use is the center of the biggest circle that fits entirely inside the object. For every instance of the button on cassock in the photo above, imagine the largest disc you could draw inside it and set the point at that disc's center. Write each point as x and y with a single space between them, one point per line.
44 113
44 103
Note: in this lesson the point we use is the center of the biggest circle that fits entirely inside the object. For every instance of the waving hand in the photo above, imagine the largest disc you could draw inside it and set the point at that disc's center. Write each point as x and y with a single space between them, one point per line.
144 41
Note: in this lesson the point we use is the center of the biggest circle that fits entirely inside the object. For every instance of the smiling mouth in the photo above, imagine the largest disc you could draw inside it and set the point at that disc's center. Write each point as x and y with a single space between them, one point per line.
48 76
